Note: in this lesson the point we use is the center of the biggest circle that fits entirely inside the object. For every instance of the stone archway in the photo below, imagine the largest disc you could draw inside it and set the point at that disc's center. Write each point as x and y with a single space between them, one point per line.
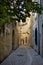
22 41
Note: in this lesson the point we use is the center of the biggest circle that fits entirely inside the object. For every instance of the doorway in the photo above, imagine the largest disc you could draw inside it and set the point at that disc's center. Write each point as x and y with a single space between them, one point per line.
22 41
12 39
42 40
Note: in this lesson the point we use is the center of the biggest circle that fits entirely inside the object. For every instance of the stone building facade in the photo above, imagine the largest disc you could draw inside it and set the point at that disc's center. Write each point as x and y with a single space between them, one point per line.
15 35
41 34
38 31
9 40
5 42
25 30
29 34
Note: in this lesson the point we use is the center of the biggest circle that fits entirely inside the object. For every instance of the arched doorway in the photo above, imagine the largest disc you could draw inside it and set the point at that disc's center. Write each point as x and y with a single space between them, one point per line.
22 42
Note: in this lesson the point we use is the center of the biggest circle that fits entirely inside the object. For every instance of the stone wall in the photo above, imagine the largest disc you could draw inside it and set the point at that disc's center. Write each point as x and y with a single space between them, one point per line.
9 41
16 36
13 34
5 42
25 32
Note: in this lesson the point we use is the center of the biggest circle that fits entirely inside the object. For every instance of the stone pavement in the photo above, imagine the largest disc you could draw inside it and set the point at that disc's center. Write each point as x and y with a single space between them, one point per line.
23 56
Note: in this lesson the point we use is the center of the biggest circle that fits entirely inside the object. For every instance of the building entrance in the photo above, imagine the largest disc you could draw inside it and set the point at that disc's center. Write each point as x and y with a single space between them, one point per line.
42 39
22 41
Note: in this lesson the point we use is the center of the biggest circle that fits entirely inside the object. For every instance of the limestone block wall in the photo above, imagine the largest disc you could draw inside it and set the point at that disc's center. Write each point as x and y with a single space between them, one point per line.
8 38
25 31
16 37
2 47
9 41
5 42
13 36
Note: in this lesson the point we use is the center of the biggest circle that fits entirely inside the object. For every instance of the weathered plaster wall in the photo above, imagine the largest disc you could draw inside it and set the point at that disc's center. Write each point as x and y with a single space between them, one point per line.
35 25
40 28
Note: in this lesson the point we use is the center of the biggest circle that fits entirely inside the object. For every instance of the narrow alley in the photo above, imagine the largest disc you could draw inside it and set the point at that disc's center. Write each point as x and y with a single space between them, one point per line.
23 56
